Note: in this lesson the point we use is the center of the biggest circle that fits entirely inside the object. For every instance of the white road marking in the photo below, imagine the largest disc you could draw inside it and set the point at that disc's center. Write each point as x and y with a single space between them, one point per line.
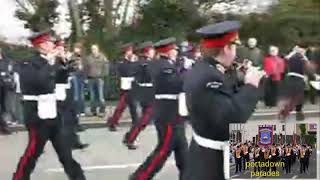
119 166
295 177
236 175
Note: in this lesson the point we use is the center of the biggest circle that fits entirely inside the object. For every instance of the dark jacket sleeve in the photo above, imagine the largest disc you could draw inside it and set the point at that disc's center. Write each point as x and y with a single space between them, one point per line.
226 107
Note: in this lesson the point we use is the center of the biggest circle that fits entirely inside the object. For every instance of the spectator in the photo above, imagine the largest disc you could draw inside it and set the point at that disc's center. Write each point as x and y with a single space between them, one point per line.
96 68
8 89
274 66
77 80
251 52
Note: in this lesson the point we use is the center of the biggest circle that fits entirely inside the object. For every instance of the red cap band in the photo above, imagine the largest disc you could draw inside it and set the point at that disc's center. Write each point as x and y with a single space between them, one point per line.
40 39
147 49
167 48
59 43
226 39
126 49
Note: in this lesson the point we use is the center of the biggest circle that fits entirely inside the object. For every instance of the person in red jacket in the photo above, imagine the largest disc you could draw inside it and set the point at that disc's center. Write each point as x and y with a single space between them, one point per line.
274 66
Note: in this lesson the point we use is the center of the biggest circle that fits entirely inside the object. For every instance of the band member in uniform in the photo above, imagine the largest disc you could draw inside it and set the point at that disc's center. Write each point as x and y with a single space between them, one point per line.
246 158
287 151
6 84
238 158
143 92
283 156
213 104
266 157
274 156
257 155
170 127
293 85
302 158
66 103
126 69
307 156
37 77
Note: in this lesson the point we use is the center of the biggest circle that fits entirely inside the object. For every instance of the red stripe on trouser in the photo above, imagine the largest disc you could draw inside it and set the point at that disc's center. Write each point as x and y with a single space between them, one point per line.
155 161
289 106
140 125
30 151
121 106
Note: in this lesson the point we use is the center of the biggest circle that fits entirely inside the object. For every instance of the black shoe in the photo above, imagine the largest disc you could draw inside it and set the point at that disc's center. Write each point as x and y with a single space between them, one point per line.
132 146
80 146
5 131
80 128
112 127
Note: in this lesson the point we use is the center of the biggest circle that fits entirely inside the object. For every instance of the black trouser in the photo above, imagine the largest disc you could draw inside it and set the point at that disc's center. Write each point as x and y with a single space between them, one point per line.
266 168
3 124
132 103
271 92
140 125
284 161
39 134
274 160
288 164
302 165
245 159
69 120
171 138
238 164
307 163
256 167
126 99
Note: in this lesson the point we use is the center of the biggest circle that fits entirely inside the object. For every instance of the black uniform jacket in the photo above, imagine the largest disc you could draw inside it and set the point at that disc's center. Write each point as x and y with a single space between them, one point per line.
213 102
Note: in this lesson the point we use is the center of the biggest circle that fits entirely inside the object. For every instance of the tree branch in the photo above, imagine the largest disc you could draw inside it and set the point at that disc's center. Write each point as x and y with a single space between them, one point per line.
23 7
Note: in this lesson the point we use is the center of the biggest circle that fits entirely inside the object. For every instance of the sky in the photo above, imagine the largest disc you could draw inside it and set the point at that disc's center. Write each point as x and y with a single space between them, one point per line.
12 29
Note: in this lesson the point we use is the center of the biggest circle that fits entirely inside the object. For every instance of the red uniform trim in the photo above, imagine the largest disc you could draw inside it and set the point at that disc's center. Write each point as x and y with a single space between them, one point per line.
144 122
162 153
40 39
121 106
224 40
166 48
30 151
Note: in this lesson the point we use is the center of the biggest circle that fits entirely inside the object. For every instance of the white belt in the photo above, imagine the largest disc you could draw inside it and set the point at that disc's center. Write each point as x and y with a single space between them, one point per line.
166 96
295 75
216 145
34 97
145 84
63 85
46 105
126 83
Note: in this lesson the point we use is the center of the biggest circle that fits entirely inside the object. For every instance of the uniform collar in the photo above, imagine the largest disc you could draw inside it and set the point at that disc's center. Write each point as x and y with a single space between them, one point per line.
214 63
167 59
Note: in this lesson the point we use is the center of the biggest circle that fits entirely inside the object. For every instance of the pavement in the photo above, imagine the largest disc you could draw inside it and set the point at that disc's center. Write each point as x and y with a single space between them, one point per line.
105 159
261 113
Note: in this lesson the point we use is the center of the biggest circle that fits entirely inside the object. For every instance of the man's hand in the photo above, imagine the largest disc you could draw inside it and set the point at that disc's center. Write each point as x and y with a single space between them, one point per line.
253 76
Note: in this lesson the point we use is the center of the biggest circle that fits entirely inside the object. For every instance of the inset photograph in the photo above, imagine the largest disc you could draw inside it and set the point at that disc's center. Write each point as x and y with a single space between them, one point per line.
275 151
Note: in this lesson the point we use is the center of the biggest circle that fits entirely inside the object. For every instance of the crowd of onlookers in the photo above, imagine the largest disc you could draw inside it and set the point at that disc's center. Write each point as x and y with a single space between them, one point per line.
286 154
89 79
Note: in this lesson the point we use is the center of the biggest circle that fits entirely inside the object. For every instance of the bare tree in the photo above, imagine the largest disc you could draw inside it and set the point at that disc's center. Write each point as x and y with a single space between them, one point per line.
75 18
108 13
125 13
